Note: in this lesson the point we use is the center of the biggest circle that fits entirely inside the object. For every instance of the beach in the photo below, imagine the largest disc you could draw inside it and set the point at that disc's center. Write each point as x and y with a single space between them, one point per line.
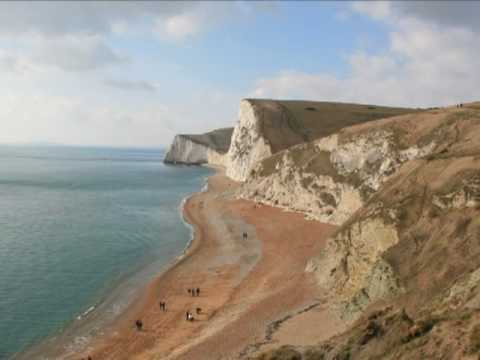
254 291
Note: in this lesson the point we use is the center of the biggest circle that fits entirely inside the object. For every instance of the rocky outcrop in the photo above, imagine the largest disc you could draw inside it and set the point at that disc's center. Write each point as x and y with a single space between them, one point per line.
209 148
331 178
410 267
266 127
411 229
352 267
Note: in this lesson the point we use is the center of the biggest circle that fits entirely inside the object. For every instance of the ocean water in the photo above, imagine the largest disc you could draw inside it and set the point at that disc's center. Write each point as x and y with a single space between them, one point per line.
77 223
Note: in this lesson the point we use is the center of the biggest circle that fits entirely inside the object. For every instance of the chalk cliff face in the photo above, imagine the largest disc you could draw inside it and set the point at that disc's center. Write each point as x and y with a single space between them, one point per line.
266 127
248 143
331 178
209 148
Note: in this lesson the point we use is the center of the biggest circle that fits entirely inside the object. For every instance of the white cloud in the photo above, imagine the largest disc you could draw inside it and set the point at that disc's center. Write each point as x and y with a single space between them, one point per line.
131 85
427 63
80 17
194 20
180 27
374 9
11 62
173 18
82 121
74 52
72 35
63 64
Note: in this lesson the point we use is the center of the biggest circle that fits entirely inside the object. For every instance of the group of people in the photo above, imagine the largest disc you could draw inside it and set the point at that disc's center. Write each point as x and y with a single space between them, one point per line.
163 307
194 291
189 315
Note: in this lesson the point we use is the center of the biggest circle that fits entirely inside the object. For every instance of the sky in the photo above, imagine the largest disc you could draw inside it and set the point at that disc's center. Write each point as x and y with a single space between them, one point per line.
137 73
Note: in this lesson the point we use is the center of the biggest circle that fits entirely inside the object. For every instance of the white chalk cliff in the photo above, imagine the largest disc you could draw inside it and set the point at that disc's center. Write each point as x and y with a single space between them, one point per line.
248 144
209 148
266 127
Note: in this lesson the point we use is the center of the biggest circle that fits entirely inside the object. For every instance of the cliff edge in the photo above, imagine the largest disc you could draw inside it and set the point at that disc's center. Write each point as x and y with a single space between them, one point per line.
266 127
208 148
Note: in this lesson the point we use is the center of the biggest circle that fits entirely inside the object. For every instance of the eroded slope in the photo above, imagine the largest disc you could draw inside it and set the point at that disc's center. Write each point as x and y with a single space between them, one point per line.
332 177
266 127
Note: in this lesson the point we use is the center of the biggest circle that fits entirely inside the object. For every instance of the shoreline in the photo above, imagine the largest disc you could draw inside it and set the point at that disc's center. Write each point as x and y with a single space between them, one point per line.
248 285
84 324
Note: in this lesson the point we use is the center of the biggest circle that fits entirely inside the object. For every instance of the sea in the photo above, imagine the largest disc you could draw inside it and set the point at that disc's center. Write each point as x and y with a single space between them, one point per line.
81 230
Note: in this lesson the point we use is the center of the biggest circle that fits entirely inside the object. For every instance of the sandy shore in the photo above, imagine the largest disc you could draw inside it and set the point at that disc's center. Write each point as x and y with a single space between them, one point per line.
254 292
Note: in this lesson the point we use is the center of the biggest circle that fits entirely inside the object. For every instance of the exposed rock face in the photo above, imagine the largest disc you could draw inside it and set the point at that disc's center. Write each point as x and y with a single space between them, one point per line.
185 151
209 148
248 142
266 127
352 266
331 178
418 258
403 233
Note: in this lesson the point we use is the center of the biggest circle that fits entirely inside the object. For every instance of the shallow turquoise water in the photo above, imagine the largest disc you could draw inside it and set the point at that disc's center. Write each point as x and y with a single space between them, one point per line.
74 222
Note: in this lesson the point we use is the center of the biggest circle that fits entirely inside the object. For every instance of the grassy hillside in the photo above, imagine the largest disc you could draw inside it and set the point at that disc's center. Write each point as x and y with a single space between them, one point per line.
288 122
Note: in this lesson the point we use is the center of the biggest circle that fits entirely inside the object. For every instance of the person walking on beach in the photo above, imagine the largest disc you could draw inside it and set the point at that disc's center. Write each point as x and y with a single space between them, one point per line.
198 291
139 325
163 306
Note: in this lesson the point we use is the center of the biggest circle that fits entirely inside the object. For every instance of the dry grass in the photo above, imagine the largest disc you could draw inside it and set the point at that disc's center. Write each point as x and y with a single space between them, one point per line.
218 140
282 353
475 339
287 123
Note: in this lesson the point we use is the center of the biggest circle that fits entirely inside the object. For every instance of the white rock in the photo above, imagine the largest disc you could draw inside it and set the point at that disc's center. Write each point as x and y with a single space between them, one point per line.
248 145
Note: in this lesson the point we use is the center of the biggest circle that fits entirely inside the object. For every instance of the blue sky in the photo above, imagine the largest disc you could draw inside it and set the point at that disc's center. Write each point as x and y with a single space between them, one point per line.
306 36
137 73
